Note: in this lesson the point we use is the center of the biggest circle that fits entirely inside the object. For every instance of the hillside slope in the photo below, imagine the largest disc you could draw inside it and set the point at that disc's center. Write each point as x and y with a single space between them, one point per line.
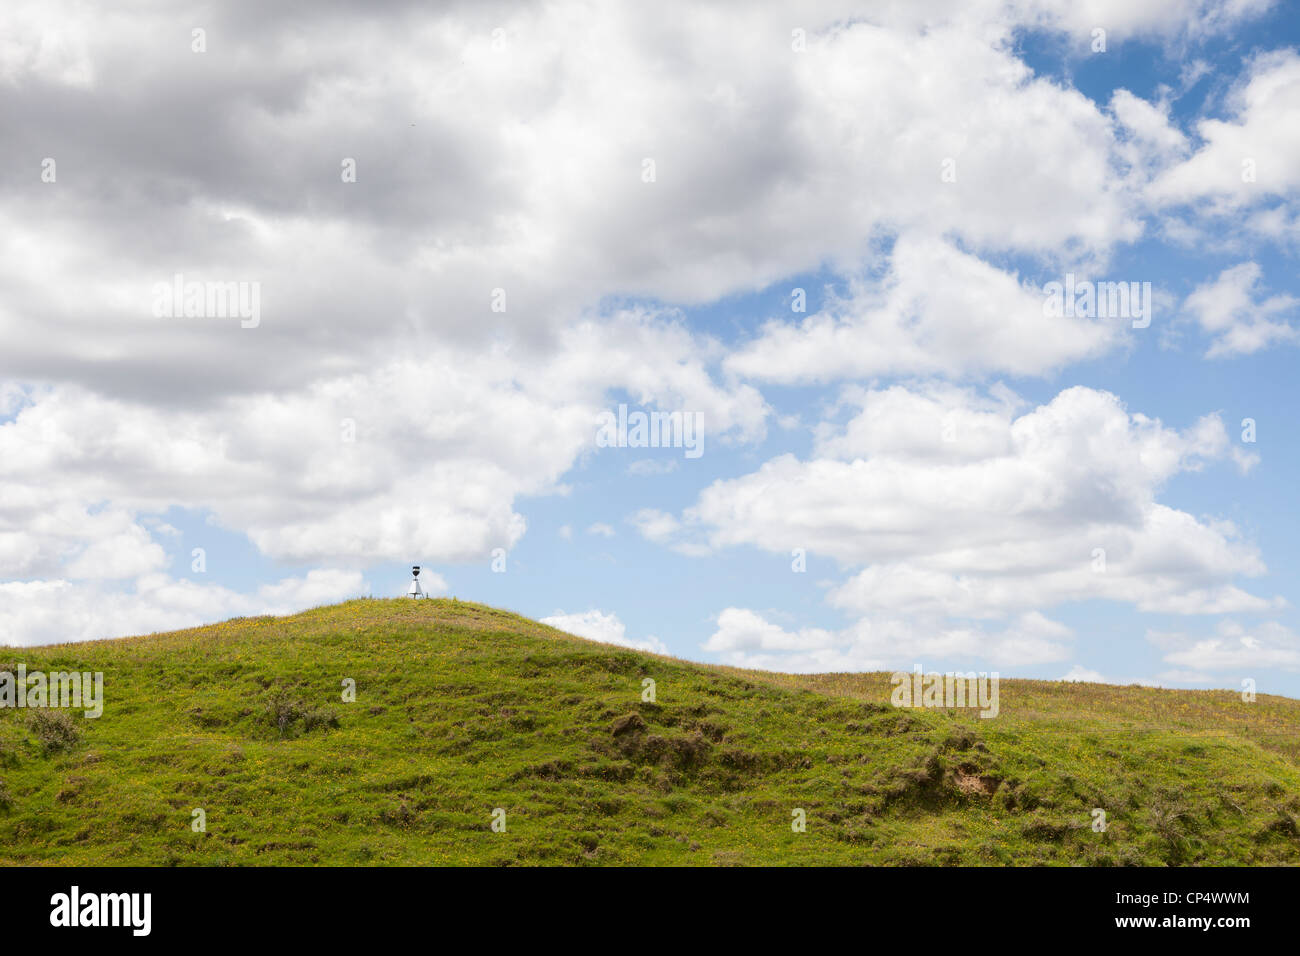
461 709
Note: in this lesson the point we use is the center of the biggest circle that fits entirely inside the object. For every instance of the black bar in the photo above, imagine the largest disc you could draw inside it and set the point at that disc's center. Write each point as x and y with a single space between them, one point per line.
943 905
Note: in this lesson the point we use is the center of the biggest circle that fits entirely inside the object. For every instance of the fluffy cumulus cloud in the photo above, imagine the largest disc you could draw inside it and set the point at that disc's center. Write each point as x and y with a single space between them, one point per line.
56 611
421 456
949 505
1251 157
1239 318
1239 183
542 191
1155 18
600 626
1086 675
978 320
766 162
1234 652
746 638
1230 182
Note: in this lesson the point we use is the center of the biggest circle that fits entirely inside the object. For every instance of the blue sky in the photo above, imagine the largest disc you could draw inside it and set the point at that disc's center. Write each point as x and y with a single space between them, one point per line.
675 294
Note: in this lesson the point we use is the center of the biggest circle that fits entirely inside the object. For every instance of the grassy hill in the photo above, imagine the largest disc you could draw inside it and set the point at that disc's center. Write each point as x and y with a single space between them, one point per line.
462 709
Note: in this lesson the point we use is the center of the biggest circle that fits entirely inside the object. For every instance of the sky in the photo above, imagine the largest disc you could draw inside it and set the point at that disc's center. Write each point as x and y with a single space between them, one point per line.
425 253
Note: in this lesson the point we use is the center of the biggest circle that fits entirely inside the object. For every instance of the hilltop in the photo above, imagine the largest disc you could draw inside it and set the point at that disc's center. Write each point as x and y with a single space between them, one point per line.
462 709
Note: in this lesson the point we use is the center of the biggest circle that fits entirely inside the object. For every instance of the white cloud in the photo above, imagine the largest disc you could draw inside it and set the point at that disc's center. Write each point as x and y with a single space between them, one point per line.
597 625
1152 18
1017 513
58 611
377 318
1240 320
1004 516
975 319
744 638
1234 649
1151 142
654 525
769 163
419 457
1249 157
1081 674
663 528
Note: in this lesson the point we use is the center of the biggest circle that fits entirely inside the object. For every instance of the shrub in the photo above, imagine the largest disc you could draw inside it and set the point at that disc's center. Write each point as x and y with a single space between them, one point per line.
1171 819
284 713
54 730
319 718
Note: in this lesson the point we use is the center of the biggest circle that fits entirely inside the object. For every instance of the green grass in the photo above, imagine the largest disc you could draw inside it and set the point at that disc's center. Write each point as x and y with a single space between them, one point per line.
462 709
